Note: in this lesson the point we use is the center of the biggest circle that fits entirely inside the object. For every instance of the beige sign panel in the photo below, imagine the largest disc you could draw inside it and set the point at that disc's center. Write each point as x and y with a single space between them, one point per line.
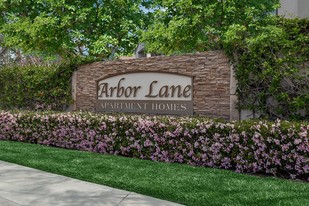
145 92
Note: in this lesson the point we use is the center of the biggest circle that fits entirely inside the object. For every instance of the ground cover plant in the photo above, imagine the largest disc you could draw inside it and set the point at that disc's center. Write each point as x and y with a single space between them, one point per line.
175 182
279 148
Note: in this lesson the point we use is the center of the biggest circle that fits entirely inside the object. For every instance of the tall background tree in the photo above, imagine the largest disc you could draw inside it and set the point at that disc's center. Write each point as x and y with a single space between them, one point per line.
182 26
95 28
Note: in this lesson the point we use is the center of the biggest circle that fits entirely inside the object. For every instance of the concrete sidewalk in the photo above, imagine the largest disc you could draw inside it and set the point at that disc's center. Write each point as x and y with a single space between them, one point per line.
21 186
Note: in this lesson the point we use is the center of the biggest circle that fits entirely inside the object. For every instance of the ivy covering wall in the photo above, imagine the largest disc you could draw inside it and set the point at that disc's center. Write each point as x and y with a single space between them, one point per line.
272 67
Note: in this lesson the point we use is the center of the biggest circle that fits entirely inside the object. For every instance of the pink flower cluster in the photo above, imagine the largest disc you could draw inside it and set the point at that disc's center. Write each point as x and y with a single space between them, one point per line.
278 148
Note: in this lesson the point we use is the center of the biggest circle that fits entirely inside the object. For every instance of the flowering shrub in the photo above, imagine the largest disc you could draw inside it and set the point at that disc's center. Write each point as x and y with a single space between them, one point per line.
277 148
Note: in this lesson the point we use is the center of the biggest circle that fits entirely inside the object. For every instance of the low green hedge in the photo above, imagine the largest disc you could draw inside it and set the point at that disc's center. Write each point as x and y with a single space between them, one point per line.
279 148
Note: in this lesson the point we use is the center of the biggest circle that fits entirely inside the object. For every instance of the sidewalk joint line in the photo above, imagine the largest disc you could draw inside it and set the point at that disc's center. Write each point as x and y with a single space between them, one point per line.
10 201
123 199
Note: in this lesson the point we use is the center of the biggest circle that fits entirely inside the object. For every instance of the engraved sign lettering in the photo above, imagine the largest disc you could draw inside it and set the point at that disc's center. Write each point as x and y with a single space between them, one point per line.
145 92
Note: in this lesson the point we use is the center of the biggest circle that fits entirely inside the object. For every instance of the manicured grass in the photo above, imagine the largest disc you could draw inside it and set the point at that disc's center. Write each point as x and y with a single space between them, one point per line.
178 183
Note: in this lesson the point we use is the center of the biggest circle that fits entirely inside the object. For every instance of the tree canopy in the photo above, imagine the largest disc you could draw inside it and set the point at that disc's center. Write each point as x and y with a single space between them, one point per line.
98 28
198 25
105 28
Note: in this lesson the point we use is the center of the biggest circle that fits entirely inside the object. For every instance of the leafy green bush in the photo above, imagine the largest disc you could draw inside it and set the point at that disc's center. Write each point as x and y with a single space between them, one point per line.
271 66
32 87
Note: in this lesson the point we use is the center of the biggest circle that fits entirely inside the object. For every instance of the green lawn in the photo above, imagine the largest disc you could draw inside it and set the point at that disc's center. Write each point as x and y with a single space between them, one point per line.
178 183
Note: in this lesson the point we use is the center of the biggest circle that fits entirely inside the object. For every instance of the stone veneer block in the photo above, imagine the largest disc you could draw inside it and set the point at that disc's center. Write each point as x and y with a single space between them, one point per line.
211 74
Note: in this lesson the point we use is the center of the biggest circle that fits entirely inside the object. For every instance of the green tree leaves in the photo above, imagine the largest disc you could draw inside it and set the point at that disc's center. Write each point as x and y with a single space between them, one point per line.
192 25
72 28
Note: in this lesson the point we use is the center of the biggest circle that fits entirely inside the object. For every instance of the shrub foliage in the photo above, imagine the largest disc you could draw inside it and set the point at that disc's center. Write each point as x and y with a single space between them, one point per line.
31 87
271 66
279 148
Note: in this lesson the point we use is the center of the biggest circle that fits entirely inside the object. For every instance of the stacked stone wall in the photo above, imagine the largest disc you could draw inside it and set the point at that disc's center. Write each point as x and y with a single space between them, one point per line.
210 71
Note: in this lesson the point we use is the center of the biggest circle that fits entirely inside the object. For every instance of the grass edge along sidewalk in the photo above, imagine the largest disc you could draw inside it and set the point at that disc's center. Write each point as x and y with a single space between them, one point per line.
174 182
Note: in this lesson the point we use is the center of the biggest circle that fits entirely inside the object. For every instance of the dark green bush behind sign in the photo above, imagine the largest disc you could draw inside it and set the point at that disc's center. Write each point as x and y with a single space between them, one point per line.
34 88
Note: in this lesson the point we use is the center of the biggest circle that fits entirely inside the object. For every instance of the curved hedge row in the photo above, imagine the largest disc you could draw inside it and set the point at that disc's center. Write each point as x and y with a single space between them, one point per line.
278 148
